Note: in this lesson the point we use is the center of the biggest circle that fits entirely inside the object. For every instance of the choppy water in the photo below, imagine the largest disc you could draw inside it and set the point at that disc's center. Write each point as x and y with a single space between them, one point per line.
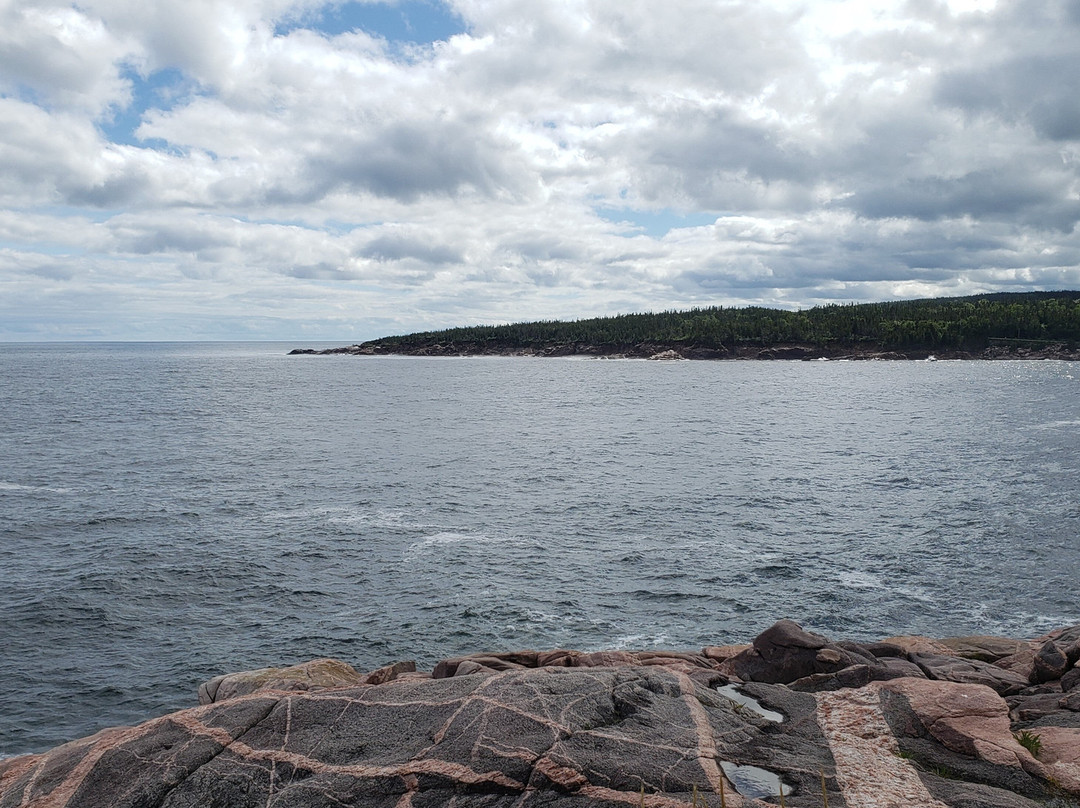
171 512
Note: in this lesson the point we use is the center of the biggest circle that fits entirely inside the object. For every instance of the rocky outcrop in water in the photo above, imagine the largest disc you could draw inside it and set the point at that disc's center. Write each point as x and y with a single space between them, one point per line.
907 721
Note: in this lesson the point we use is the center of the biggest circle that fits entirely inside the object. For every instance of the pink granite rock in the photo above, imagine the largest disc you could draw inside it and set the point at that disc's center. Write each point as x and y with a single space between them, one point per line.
471 667
605 659
318 674
720 653
899 668
1060 753
983 647
1021 663
502 661
917 644
673 659
556 658
389 673
969 671
967 718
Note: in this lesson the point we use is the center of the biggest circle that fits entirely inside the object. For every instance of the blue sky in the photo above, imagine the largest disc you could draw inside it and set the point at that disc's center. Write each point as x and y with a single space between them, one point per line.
421 22
302 170
403 25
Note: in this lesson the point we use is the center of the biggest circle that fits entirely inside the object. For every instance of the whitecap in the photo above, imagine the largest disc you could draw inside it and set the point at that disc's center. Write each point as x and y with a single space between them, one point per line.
378 518
914 593
1057 424
445 538
860 579
637 642
44 489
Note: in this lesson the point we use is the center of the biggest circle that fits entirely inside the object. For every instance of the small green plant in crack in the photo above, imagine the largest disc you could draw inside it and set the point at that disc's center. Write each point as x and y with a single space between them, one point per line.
1030 741
738 709
945 772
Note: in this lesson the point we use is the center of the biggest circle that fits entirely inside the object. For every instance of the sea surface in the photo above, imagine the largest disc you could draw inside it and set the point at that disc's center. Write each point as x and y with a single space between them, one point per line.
169 512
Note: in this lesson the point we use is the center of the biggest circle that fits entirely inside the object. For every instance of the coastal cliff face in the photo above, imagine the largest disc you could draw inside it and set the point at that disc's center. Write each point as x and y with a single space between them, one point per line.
969 722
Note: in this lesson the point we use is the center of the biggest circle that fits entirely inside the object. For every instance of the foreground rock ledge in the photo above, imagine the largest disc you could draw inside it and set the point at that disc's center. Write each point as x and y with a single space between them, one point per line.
908 721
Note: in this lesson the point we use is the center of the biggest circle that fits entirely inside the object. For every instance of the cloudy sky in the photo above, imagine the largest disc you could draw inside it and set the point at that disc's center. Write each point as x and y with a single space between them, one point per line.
301 169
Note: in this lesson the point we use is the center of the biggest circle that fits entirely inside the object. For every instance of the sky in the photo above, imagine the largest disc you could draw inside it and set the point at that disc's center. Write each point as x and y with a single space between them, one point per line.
309 170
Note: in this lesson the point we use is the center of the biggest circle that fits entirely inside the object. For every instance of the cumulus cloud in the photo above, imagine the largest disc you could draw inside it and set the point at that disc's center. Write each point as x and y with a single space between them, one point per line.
287 175
1026 70
396 246
62 56
408 159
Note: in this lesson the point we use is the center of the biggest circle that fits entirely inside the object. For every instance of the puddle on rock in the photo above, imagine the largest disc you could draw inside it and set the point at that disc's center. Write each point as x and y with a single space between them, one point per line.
754 783
730 693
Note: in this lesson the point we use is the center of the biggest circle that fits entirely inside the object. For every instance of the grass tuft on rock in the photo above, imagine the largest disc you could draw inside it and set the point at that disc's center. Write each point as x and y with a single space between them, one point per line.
1030 741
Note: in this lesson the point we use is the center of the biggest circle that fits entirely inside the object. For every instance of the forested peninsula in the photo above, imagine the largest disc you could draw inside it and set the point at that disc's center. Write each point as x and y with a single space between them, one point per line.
1028 325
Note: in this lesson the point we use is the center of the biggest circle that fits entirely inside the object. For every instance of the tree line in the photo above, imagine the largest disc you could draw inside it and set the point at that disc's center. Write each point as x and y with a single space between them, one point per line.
964 323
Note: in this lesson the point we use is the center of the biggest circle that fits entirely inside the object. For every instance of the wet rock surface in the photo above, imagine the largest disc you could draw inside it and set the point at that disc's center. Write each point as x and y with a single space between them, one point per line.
904 722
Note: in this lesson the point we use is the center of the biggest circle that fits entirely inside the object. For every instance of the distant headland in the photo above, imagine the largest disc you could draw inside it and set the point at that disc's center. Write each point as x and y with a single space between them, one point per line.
1026 325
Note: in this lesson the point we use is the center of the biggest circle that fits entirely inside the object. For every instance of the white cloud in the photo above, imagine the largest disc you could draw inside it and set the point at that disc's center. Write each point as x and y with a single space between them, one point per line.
62 56
844 150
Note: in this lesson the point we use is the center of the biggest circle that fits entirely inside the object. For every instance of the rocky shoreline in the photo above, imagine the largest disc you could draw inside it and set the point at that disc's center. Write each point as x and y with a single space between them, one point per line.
665 351
793 719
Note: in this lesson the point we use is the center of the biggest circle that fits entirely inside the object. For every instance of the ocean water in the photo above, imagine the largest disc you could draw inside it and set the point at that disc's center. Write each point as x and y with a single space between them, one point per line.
169 512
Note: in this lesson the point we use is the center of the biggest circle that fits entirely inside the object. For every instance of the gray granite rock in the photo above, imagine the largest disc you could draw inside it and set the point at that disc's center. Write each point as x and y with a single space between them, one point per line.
971 671
1071 680
580 737
786 652
882 724
1051 662
960 794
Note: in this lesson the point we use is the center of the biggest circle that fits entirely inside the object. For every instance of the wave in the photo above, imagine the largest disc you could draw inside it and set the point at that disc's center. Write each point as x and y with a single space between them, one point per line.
351 518
860 579
43 489
445 538
1057 424
635 642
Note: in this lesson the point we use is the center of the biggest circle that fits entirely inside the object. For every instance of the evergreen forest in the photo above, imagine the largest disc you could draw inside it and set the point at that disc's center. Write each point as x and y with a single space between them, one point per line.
959 323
